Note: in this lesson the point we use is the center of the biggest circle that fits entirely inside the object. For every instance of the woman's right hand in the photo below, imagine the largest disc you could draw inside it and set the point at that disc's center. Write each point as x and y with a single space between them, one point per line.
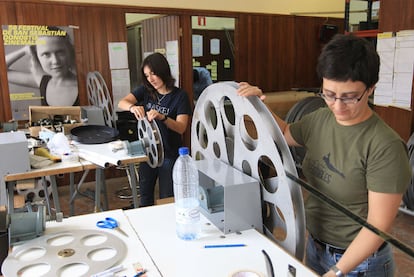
138 111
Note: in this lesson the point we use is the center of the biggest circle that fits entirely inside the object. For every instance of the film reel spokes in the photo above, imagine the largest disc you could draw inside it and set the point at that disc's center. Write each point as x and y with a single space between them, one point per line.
98 95
242 132
150 134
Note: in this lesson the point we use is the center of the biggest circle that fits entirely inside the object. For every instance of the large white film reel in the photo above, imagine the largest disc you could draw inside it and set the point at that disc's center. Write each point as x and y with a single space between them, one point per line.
242 132
99 96
70 253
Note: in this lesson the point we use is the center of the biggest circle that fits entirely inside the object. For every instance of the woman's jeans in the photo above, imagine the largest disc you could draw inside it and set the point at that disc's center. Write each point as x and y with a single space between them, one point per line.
379 264
147 180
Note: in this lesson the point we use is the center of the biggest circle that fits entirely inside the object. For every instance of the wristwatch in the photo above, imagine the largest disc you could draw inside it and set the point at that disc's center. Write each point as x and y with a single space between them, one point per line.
337 271
164 119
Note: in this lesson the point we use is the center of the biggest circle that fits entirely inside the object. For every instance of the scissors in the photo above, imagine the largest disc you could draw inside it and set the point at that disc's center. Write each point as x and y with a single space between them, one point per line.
110 223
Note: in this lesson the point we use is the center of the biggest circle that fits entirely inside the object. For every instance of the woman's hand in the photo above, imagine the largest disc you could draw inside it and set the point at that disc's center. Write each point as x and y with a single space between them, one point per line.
245 89
153 114
138 111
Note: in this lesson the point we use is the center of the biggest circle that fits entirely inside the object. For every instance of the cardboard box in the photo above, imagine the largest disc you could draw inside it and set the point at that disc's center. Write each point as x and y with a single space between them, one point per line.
282 101
68 113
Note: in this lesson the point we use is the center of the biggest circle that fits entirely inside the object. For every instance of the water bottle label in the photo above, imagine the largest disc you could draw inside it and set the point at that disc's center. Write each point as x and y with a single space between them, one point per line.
186 216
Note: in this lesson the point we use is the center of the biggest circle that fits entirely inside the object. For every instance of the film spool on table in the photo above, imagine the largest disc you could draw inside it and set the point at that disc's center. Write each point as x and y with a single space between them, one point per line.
69 253
242 132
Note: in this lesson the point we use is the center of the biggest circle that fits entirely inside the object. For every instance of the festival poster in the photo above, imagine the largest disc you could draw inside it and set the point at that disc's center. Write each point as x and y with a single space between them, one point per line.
41 67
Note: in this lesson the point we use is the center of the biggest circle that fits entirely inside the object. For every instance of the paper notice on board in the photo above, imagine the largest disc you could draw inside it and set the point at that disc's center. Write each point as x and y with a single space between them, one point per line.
197 45
172 57
118 55
396 53
121 85
215 46
386 50
403 69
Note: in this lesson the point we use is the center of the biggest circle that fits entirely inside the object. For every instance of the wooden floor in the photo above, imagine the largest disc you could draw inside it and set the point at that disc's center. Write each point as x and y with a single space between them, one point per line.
403 228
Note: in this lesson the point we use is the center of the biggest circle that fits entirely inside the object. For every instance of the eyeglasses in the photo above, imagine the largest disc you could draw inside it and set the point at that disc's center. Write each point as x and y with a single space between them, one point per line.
345 100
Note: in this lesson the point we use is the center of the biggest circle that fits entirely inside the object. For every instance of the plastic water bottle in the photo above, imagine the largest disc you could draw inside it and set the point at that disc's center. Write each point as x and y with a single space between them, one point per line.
187 214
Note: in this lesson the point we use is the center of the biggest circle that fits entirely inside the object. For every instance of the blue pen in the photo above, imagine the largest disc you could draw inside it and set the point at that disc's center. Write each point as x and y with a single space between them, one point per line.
223 245
141 273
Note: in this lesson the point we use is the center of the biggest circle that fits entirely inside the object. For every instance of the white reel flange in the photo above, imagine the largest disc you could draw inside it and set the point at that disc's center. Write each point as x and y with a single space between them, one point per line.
242 132
71 253
150 134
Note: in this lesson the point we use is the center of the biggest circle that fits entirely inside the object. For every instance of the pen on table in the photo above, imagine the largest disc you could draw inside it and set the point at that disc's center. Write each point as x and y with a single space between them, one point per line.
141 273
109 272
224 245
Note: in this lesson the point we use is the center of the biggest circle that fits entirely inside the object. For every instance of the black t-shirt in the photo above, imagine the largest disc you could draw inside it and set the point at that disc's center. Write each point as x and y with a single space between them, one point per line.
172 104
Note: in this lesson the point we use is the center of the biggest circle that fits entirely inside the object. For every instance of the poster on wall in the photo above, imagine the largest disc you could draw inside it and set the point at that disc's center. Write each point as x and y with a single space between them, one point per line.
41 67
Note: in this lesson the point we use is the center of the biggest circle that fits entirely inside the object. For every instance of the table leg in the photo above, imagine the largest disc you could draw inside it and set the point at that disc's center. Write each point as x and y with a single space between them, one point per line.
44 185
99 177
71 193
134 183
74 192
10 188
55 193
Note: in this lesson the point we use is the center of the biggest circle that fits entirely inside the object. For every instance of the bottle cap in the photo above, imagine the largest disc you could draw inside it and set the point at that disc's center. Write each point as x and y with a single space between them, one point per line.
183 151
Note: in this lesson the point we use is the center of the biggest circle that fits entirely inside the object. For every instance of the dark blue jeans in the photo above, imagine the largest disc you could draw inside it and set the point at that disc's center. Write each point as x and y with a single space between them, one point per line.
147 180
379 264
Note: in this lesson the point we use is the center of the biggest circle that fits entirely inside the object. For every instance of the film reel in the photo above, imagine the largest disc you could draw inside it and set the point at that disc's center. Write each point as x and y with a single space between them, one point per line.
98 95
150 134
38 192
243 133
71 253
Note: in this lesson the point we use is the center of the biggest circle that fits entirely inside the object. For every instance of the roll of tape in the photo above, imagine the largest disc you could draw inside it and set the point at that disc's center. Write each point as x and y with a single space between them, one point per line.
70 158
246 273
116 145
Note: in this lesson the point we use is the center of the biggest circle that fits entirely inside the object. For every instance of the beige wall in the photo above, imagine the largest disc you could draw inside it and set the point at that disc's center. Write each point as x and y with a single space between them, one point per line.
318 7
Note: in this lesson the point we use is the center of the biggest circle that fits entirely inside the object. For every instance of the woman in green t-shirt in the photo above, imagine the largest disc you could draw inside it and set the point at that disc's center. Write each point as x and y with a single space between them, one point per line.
352 156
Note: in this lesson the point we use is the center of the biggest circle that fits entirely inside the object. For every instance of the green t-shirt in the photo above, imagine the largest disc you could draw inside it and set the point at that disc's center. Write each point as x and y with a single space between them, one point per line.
344 162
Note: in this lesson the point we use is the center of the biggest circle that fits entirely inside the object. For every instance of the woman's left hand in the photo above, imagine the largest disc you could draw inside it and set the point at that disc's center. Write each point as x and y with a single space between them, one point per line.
153 114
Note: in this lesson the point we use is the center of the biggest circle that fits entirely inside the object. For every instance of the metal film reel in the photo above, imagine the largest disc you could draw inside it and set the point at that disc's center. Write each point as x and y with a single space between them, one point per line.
243 133
85 251
98 95
38 192
149 133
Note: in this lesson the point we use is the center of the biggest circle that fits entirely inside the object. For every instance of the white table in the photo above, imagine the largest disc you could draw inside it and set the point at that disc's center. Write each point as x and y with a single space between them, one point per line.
153 243
155 227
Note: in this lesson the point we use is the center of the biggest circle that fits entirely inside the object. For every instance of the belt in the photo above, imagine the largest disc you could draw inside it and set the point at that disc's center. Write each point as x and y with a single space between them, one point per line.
332 249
